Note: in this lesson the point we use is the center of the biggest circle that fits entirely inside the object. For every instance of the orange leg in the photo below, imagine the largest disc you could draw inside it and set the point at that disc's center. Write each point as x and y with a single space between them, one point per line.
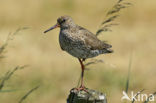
82 87
82 73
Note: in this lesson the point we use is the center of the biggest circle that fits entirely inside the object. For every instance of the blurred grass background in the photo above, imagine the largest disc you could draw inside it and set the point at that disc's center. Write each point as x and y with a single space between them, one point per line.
56 71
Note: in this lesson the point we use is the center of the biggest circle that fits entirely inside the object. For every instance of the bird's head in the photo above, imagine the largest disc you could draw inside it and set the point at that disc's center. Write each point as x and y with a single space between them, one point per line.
62 22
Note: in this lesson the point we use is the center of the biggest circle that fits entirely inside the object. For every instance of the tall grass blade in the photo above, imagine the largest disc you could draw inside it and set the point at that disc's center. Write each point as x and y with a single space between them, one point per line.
146 101
137 95
28 93
128 76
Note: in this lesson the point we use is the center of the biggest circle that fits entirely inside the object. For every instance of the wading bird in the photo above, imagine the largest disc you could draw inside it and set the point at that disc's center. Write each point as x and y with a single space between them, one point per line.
79 42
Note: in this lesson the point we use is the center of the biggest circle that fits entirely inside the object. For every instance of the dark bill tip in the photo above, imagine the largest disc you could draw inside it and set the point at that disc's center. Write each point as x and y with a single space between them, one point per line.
46 31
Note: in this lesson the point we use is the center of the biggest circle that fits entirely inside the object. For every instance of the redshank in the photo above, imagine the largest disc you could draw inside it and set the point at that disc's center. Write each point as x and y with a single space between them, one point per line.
79 42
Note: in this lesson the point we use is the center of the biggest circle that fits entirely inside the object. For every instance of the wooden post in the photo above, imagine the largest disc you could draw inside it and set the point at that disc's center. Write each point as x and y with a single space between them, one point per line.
83 97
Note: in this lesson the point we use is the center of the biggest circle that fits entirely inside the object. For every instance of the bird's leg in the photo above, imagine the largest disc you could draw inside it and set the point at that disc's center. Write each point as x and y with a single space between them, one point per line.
82 87
83 60
82 73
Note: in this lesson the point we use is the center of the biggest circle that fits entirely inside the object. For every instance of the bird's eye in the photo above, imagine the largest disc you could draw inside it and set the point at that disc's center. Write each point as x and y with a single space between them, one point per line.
63 20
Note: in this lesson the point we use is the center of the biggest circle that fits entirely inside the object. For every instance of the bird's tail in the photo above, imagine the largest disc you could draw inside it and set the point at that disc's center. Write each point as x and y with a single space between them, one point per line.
109 50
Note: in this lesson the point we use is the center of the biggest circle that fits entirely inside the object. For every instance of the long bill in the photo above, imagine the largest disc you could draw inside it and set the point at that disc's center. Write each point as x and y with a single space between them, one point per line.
53 27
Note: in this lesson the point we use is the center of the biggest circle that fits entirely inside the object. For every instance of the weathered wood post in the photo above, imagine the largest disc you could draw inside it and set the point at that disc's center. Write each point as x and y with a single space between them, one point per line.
91 96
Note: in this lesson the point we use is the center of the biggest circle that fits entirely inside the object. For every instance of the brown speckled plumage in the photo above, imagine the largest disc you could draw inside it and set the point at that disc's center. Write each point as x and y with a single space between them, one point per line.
78 41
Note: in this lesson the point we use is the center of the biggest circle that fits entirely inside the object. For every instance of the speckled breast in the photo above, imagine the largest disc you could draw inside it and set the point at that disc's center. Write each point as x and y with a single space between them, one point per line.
75 47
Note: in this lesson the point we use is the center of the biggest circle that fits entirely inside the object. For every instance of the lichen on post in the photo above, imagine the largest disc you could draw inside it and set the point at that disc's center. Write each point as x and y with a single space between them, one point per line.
91 96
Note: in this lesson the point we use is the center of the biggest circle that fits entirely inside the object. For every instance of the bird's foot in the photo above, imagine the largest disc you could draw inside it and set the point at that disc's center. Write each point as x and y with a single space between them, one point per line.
82 88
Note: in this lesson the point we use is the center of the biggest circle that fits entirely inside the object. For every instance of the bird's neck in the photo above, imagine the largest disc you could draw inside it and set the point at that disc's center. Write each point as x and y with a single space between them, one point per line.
63 27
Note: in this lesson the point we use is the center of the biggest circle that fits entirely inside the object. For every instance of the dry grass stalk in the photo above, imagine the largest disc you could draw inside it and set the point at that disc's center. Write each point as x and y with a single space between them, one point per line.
8 75
112 15
27 94
9 38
